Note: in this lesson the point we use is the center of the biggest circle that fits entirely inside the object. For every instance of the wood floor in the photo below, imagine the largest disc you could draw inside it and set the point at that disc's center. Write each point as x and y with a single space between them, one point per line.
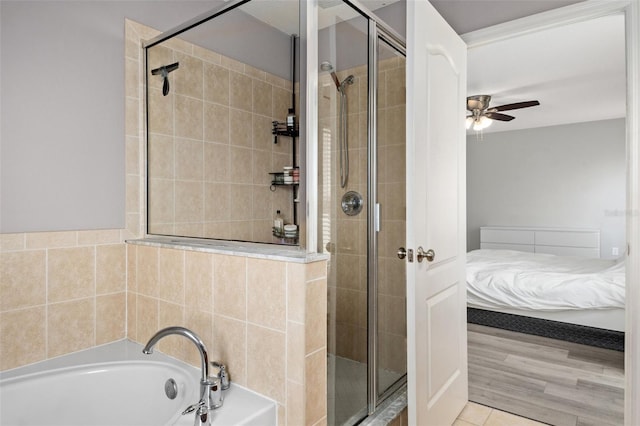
551 381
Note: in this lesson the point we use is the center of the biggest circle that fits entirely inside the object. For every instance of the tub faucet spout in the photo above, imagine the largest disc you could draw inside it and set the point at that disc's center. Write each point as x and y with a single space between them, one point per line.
209 386
181 331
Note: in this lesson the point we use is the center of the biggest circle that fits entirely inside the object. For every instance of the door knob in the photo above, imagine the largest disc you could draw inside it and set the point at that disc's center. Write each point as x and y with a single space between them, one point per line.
429 255
402 253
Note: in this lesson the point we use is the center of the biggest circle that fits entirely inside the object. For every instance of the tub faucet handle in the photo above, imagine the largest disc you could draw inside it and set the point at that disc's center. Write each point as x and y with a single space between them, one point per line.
203 416
223 375
193 407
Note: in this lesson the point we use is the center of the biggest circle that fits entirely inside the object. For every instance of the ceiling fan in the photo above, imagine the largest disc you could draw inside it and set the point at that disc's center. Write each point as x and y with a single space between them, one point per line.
482 116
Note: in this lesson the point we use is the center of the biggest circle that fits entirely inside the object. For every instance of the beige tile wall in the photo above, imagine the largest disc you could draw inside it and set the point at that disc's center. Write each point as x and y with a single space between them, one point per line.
346 237
60 292
261 317
211 147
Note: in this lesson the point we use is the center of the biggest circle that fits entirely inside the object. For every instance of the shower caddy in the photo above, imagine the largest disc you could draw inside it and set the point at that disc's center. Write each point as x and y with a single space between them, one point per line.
290 177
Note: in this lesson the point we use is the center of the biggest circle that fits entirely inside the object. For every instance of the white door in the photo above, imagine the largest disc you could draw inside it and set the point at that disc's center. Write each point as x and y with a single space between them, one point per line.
436 290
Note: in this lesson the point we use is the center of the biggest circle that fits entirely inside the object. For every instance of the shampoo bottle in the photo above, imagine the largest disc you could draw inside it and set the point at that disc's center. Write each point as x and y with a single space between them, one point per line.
278 224
291 120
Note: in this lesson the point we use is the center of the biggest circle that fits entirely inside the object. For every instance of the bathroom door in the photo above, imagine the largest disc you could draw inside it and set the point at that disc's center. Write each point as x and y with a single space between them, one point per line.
436 291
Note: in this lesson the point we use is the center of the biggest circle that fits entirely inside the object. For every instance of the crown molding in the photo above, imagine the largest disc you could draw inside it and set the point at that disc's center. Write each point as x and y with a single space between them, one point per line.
577 12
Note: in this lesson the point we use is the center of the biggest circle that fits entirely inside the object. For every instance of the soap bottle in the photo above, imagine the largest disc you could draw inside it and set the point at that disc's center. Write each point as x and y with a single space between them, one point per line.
291 120
278 224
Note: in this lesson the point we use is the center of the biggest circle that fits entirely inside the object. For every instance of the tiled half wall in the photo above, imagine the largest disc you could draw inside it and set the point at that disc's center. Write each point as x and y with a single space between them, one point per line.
263 318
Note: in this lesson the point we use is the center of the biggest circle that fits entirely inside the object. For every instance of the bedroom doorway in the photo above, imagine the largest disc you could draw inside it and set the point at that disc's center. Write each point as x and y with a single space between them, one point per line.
611 212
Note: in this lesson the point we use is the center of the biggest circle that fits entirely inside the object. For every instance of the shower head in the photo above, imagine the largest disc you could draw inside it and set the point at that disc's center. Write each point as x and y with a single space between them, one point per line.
326 66
164 71
349 80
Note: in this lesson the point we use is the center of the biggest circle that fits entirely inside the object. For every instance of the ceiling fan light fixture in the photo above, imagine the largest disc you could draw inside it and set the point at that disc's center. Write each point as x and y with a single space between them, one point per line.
482 115
468 122
481 123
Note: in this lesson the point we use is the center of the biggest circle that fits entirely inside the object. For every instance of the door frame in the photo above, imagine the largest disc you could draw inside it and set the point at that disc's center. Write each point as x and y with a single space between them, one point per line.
579 12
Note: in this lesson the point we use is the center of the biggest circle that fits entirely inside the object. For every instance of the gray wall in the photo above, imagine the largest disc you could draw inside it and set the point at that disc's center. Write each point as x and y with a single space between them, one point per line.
395 16
247 39
560 176
62 103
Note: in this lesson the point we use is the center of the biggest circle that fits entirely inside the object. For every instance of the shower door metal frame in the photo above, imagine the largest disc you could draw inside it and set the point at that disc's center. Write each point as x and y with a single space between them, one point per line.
307 193
377 31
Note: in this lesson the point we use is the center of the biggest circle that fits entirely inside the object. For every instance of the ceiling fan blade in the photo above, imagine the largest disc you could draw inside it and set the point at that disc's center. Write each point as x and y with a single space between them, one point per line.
516 105
499 117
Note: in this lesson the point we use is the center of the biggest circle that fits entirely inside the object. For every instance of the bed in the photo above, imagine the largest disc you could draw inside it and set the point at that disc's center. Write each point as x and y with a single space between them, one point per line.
545 274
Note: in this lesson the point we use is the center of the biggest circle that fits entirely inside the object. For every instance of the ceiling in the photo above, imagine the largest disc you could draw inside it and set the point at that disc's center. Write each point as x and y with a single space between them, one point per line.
463 15
469 15
577 72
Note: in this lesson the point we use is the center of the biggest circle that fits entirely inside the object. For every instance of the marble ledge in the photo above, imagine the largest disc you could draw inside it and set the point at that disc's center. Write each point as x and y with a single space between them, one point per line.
388 410
234 248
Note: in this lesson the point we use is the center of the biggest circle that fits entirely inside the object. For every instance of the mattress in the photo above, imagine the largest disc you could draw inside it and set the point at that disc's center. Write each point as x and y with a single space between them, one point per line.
498 279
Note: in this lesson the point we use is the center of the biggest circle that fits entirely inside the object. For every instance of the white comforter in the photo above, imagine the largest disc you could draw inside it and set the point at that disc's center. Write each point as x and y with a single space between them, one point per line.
514 279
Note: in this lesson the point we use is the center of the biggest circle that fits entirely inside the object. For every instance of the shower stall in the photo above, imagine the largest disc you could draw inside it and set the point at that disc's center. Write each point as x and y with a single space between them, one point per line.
361 198
232 151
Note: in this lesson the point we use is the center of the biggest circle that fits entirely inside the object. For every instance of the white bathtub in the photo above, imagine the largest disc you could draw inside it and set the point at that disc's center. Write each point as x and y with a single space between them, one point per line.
117 385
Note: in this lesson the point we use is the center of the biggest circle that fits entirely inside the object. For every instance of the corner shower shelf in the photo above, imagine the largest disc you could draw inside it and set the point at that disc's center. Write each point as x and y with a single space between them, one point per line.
281 129
273 183
281 234
277 179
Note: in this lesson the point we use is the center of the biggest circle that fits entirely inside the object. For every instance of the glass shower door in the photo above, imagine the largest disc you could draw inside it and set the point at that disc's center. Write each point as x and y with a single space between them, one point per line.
390 187
342 126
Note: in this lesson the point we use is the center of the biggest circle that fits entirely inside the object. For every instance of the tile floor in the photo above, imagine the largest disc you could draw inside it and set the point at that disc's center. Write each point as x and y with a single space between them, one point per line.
480 415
